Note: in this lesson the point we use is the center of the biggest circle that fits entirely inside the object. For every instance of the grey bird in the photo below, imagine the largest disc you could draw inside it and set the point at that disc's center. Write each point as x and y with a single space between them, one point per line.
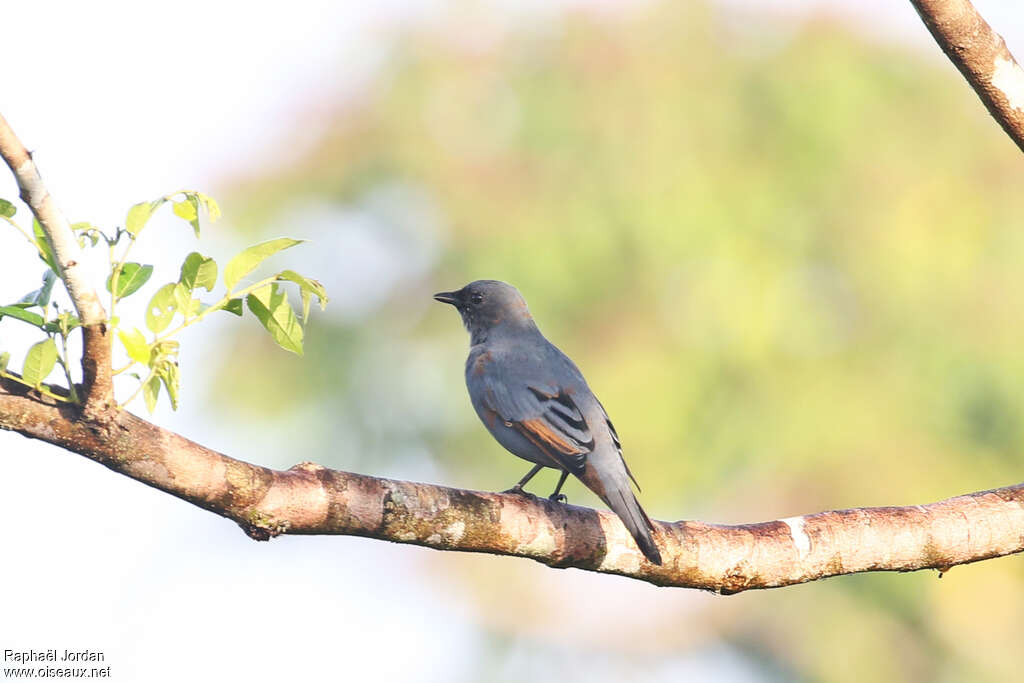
535 402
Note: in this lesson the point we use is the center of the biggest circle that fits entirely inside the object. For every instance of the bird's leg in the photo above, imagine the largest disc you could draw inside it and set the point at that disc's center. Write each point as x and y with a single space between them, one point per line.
556 496
518 488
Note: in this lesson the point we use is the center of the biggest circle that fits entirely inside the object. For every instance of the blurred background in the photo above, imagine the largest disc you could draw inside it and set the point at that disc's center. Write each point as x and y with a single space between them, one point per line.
783 243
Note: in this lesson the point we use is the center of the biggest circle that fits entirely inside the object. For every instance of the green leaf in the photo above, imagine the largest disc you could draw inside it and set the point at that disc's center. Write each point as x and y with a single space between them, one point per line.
134 343
164 350
44 245
41 296
247 260
150 392
161 308
5 358
139 214
168 373
64 323
234 306
198 271
7 210
39 362
67 322
270 305
21 314
91 232
211 206
132 277
181 298
308 287
188 209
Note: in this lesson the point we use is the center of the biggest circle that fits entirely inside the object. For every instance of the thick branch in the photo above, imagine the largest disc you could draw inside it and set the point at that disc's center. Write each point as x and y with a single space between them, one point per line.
982 57
68 255
310 499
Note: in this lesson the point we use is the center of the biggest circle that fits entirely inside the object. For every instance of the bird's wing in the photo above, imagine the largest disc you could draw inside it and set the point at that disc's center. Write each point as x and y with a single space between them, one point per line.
547 416
618 445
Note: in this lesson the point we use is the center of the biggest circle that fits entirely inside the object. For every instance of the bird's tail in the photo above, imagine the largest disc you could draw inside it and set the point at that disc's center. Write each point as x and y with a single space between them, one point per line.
627 507
620 498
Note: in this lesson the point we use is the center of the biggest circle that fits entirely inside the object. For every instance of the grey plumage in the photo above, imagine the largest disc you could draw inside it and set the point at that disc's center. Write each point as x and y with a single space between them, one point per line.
534 401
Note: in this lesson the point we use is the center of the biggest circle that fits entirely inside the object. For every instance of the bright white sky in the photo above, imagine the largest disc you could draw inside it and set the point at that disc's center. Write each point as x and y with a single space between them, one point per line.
124 101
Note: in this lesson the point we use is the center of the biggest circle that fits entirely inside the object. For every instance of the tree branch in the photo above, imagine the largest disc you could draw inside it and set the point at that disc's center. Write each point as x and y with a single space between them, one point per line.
96 371
982 57
311 499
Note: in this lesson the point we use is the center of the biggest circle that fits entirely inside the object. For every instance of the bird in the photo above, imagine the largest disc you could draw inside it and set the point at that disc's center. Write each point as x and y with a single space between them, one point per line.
535 402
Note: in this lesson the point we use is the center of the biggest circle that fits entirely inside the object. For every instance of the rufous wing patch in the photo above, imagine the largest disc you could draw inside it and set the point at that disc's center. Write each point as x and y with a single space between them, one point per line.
543 431
552 445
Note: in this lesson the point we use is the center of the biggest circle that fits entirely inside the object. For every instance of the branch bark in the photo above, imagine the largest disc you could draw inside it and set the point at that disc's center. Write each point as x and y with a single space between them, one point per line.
96 368
982 57
311 499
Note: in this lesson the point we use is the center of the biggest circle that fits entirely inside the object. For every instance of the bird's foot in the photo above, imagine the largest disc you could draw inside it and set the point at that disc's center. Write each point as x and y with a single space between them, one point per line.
517 490
558 498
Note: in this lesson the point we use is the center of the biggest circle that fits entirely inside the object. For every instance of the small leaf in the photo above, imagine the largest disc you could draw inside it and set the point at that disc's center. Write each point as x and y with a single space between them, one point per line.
131 278
39 362
168 372
139 214
164 350
308 287
181 297
188 209
247 260
41 296
210 204
64 323
90 232
43 242
21 314
150 392
134 343
198 271
234 306
270 305
161 308
7 210
5 358
49 277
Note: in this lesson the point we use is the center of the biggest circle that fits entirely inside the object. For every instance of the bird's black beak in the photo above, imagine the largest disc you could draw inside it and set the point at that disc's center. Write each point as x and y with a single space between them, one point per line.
447 297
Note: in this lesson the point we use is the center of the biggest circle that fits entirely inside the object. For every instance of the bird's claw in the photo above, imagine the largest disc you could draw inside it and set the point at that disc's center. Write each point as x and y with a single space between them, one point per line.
558 498
517 490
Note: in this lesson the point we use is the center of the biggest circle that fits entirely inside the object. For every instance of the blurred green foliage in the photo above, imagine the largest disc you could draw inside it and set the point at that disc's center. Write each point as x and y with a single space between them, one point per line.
789 263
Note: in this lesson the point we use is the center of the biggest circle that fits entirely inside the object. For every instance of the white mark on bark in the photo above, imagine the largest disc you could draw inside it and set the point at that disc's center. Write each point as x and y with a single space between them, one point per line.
455 530
1009 78
800 537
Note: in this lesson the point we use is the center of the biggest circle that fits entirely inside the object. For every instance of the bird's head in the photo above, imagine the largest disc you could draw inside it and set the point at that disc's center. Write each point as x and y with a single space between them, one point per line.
488 304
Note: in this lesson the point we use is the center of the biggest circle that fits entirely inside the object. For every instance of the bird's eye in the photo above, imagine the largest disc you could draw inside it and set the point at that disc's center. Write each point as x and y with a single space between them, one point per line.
476 298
